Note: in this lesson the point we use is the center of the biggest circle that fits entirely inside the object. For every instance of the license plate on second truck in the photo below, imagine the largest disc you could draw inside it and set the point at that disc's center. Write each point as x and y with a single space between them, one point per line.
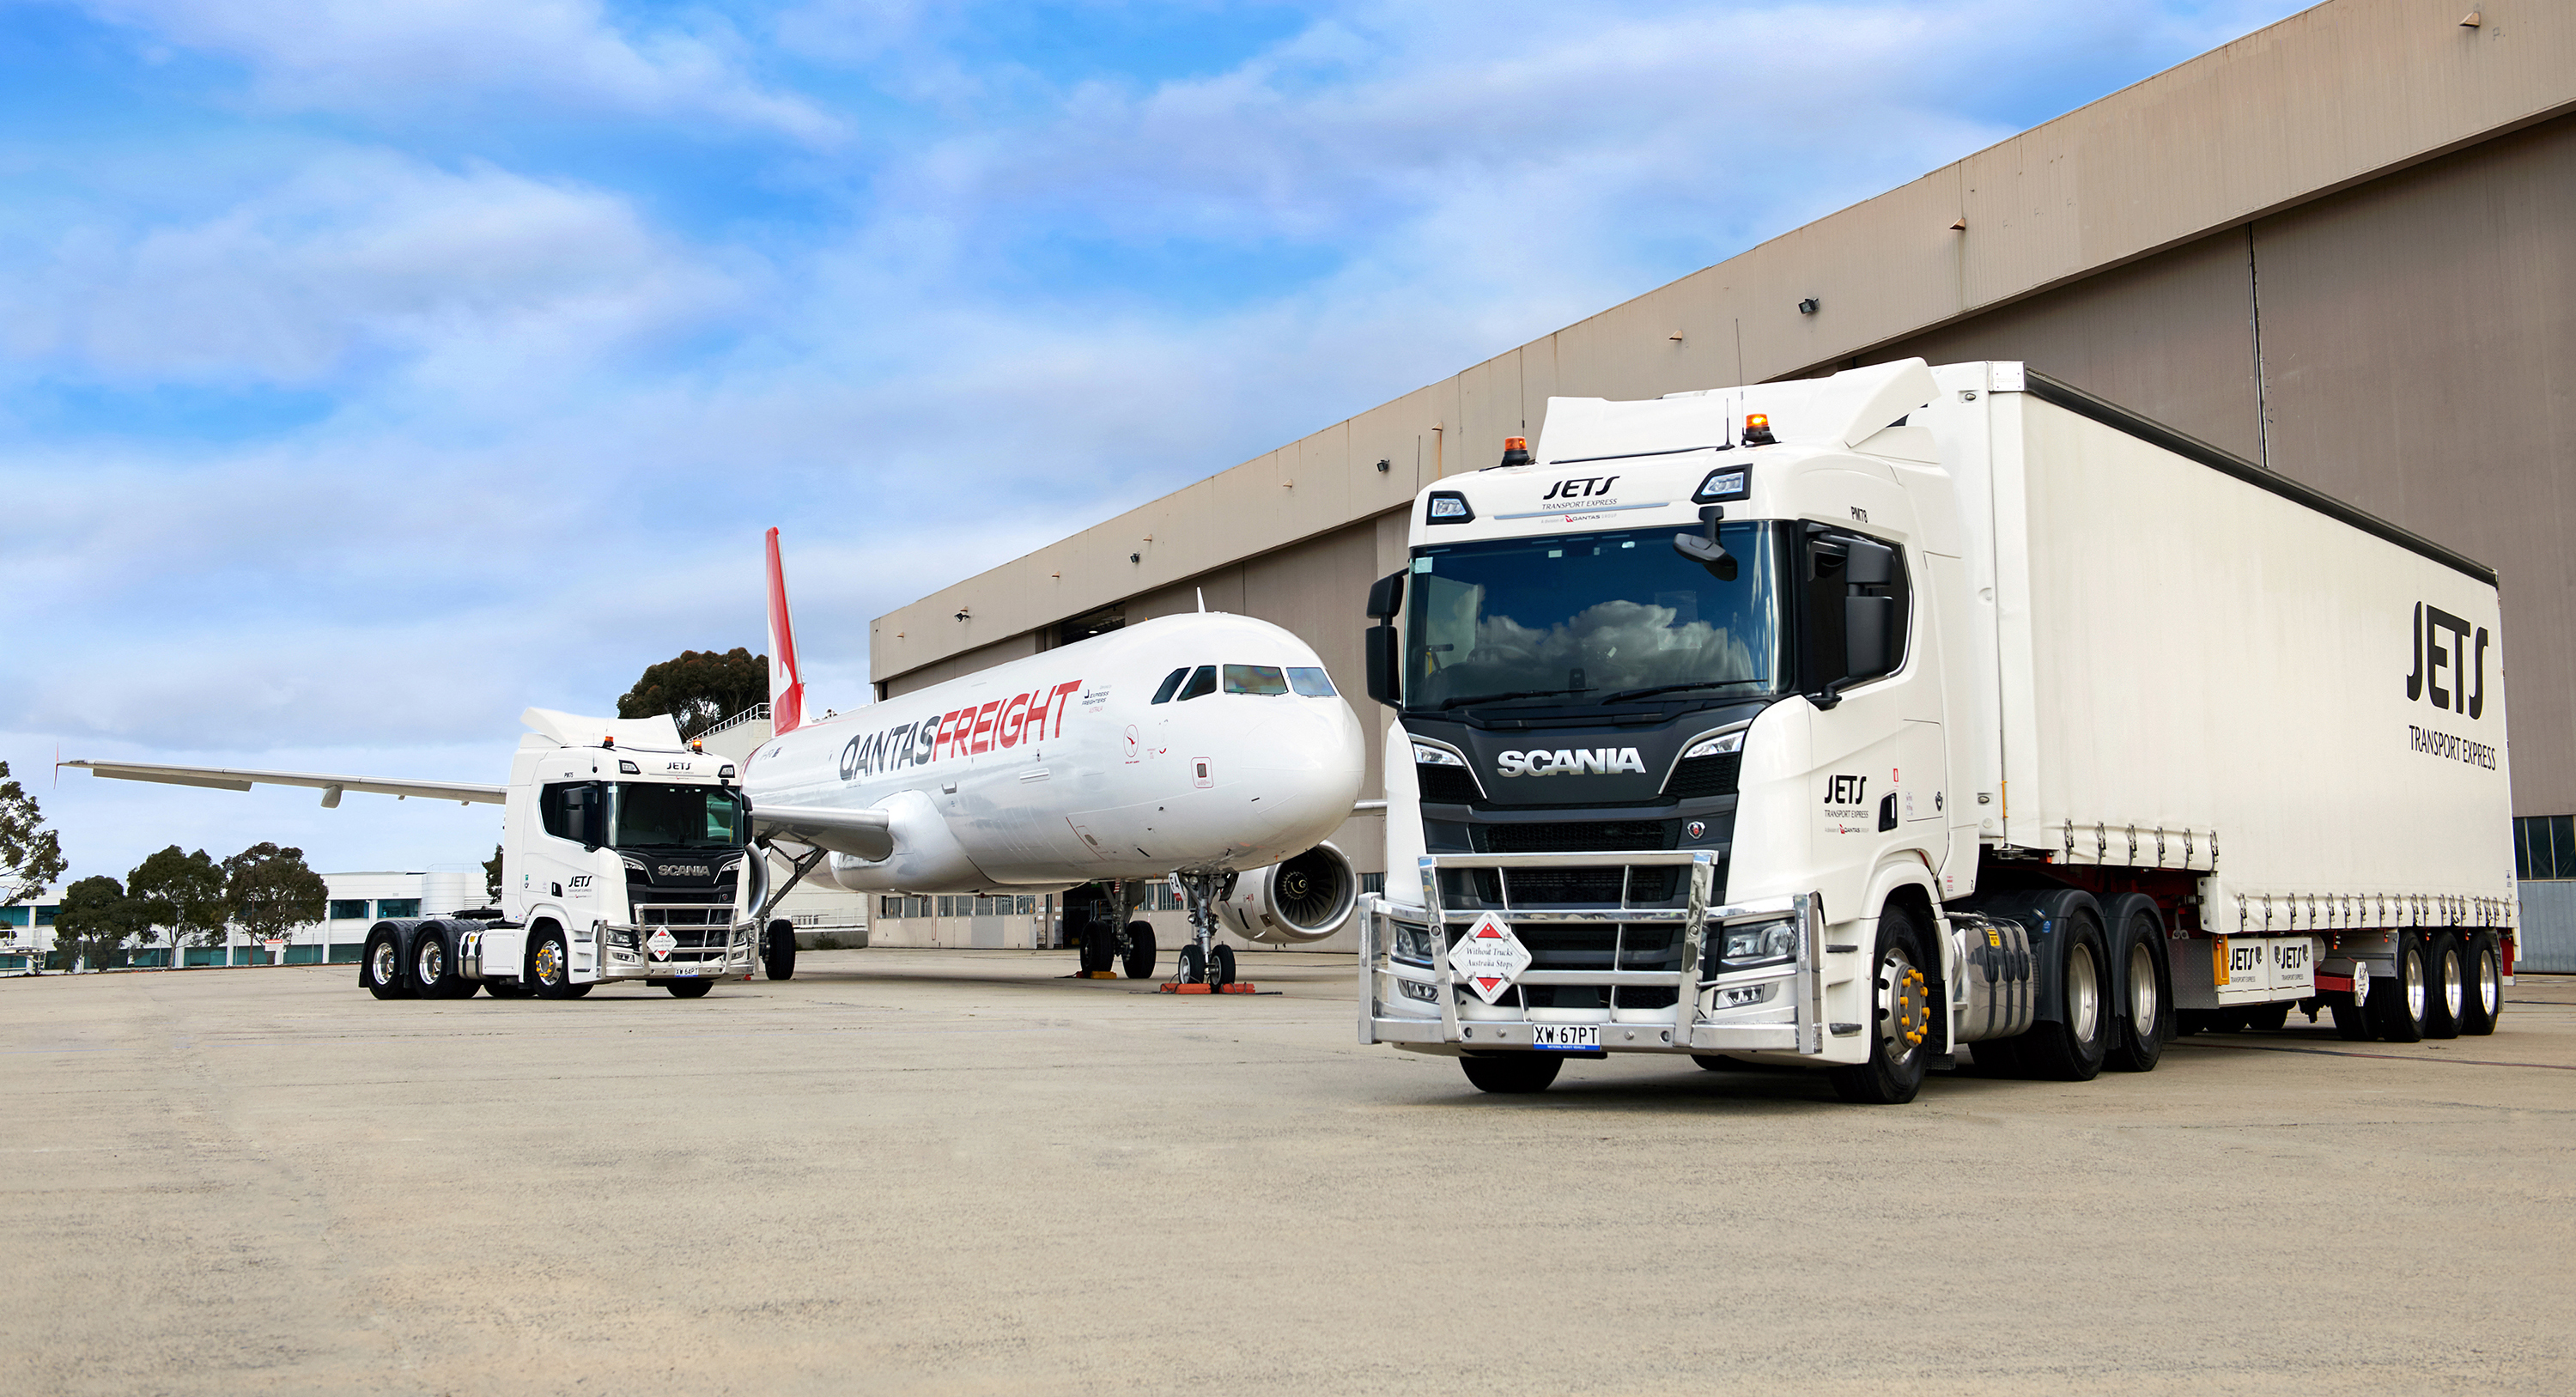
1565 1035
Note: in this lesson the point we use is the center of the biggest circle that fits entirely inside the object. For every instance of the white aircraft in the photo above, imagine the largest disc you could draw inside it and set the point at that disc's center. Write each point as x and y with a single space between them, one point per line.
1208 749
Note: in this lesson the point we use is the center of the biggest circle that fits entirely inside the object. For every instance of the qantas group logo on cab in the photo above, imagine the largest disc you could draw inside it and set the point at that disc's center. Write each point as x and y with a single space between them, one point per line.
1589 761
963 732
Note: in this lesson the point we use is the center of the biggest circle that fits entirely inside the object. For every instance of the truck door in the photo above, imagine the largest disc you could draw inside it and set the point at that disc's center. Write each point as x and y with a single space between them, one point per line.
1868 662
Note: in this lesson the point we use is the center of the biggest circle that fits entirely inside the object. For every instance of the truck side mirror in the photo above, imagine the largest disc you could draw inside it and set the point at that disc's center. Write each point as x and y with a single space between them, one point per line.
1386 596
1869 564
1385 664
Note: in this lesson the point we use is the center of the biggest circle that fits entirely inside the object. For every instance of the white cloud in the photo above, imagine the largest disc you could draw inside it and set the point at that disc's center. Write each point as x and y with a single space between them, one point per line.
387 58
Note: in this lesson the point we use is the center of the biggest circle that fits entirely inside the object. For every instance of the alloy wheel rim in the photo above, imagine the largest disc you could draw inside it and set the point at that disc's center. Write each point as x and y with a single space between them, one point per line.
382 963
2410 971
549 962
2490 983
1904 1006
2083 993
2453 992
2142 989
433 962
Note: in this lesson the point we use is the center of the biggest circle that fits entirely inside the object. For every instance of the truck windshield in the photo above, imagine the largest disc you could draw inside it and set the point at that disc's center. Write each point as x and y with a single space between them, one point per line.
645 815
1588 618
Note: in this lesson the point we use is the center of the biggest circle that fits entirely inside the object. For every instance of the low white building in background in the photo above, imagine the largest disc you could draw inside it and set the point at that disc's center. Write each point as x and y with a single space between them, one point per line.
356 901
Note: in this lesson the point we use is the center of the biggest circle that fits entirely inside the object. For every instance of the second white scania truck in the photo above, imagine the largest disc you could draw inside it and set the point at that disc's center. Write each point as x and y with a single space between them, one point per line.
1853 721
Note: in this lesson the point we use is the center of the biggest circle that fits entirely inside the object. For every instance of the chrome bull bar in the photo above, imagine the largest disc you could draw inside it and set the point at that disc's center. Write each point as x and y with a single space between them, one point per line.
1689 1030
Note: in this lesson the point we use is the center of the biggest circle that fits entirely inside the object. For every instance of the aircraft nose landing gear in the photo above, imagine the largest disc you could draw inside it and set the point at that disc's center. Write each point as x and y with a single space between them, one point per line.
1205 967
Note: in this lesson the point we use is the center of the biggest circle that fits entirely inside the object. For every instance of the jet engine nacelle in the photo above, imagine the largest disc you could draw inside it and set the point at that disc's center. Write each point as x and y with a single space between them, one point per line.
1306 898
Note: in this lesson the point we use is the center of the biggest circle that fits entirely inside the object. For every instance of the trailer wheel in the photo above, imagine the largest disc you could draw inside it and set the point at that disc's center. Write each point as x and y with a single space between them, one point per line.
1511 1074
2397 1004
550 966
2445 986
2139 1039
2483 1003
689 989
2352 1021
1901 1020
1140 951
2072 1050
778 957
381 971
2268 1017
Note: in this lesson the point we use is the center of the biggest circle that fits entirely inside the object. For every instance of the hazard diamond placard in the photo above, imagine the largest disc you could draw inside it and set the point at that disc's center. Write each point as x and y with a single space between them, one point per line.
1489 957
662 942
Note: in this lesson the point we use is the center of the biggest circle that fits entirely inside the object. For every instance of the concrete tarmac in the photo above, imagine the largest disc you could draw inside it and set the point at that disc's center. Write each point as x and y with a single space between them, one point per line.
957 1172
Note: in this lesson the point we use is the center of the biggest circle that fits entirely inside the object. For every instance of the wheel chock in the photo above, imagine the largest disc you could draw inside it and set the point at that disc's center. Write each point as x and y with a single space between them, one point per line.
1170 988
1238 987
1097 975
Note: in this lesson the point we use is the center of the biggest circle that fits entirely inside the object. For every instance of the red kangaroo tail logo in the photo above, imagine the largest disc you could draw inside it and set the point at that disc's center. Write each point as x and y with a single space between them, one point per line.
786 686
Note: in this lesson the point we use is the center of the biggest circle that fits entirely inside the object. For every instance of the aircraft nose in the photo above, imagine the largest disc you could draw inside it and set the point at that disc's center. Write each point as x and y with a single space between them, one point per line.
1311 762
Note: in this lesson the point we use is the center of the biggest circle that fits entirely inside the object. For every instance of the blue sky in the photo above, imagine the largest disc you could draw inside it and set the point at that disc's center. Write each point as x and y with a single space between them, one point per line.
370 370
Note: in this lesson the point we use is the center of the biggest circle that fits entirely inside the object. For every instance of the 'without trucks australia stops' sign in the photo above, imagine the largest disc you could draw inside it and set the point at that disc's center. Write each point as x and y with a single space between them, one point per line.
662 942
1489 957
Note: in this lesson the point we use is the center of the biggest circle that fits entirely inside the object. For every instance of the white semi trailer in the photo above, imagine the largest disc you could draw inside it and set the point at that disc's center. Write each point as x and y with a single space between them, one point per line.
1851 721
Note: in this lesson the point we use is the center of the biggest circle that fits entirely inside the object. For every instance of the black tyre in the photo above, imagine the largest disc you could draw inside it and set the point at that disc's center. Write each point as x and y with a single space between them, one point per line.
2446 985
2352 1021
2072 1050
1193 965
778 951
1901 1015
1097 951
506 989
2483 1002
1140 951
2397 1002
1221 965
1713 1062
1512 1074
2268 1017
381 969
550 966
2138 1038
692 989
433 967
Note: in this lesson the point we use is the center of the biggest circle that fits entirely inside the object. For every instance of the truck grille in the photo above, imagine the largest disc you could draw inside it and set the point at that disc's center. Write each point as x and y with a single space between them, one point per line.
1702 777
1536 886
1577 836
1579 948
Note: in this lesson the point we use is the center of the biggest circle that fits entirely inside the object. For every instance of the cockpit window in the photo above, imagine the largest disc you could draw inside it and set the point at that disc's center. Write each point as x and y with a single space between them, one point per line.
1171 684
1255 679
1201 684
1311 681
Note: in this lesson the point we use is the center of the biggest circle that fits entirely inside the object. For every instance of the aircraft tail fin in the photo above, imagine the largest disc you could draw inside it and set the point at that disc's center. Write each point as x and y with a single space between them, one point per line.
786 682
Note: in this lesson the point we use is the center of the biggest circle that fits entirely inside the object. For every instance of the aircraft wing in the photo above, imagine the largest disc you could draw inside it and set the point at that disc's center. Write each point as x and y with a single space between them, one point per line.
332 787
858 833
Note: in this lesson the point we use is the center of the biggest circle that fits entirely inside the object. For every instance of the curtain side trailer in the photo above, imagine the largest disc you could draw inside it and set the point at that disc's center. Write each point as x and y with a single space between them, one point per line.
1850 721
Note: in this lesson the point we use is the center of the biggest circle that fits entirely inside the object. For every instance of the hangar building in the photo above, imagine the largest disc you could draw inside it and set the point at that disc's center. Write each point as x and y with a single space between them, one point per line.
2343 247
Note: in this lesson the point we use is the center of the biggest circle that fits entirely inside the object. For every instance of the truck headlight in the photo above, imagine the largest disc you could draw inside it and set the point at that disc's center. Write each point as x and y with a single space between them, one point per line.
1751 944
1717 746
621 936
1412 944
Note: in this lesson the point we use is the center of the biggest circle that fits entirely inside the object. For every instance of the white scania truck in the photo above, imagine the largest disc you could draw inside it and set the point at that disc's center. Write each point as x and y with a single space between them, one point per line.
1851 721
626 855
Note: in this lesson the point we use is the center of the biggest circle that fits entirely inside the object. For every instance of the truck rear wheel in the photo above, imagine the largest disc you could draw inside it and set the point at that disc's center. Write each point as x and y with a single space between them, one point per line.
2071 1050
1901 1020
2397 1003
506 989
2139 1040
550 967
2268 1017
2483 1002
1140 951
433 967
778 951
381 970
1511 1074
2446 989
689 989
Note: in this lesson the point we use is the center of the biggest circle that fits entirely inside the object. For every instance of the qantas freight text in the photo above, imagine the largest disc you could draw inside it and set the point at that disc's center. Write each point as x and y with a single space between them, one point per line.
961 732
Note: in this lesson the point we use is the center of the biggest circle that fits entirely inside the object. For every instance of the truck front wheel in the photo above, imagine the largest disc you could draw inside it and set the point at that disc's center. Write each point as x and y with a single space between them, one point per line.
689 989
1512 1074
550 967
1902 1020
382 969
2072 1049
